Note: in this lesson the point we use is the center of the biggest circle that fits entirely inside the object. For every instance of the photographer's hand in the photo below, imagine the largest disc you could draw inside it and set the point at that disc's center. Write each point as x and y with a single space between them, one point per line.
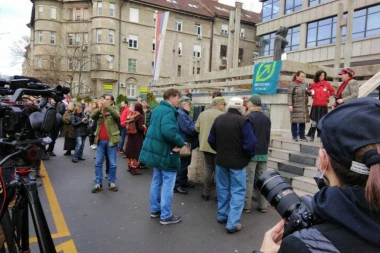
273 238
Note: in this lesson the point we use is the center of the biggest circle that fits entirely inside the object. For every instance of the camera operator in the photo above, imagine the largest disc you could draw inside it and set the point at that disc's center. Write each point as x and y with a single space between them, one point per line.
348 204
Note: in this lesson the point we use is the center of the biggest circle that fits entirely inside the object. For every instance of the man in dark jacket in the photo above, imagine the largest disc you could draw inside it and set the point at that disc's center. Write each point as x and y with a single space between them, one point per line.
258 165
232 138
161 151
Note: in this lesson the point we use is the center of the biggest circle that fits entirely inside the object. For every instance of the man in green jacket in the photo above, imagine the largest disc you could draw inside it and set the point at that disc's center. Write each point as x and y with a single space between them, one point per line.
161 151
107 136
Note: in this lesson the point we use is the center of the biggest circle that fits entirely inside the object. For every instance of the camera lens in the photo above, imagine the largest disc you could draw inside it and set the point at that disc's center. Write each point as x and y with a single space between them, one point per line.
278 192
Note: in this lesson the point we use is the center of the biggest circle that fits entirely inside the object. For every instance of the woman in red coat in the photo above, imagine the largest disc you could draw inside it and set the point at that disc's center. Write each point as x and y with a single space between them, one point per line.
135 140
321 91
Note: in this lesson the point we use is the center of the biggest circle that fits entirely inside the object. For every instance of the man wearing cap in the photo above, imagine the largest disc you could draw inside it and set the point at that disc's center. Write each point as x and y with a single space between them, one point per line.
215 94
232 137
347 90
203 126
261 125
188 133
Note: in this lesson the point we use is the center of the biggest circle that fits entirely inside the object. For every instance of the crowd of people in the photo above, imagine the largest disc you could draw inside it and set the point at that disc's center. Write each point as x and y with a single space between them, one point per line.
234 138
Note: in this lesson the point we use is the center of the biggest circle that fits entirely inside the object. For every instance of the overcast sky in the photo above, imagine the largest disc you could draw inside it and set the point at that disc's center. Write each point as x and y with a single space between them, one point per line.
14 17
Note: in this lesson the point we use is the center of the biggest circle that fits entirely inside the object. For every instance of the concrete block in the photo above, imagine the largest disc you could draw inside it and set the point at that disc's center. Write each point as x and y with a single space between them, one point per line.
310 171
293 146
276 143
280 154
309 149
305 184
302 158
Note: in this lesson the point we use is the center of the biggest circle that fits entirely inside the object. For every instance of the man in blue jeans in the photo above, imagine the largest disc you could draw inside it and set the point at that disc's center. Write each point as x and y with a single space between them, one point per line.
161 151
232 137
107 136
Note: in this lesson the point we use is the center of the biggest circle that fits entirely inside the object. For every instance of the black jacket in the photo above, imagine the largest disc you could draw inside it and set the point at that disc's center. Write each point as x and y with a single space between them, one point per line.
80 128
348 224
261 127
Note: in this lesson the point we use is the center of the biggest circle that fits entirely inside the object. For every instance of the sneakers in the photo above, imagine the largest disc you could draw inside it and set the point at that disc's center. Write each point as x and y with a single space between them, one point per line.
74 160
97 188
112 187
155 214
222 221
238 228
93 146
81 159
295 139
171 220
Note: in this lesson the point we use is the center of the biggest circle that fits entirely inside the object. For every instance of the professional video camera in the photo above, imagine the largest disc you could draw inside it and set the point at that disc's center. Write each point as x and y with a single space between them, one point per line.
297 210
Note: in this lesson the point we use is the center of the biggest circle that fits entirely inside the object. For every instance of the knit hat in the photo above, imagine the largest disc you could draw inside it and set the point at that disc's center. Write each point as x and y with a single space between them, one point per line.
348 71
255 99
185 99
349 127
219 100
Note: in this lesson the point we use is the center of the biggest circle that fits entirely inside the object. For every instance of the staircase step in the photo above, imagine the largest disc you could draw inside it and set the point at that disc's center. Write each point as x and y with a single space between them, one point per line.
305 184
301 193
285 144
293 156
311 149
287 166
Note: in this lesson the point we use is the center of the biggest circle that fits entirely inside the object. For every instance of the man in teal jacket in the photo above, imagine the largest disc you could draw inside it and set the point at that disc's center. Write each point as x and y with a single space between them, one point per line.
161 151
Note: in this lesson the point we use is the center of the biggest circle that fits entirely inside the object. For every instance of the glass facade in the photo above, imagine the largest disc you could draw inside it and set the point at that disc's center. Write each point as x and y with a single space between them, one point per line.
293 39
321 32
292 6
267 44
316 2
270 10
366 22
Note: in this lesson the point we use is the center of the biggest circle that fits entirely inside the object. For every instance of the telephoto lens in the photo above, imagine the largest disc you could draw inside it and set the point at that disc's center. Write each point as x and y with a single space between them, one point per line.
278 192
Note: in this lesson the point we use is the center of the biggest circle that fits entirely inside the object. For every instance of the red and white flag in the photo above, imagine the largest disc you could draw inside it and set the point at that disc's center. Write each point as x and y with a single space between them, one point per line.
161 23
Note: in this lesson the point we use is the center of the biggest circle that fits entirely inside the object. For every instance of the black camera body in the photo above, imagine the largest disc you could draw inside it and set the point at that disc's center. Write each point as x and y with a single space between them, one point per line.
298 211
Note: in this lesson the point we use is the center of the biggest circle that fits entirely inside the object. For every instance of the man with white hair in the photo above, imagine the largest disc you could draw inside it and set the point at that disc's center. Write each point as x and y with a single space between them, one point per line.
232 137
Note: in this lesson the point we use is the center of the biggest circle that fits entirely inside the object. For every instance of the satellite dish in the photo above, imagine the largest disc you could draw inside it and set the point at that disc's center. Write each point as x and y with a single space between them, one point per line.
109 58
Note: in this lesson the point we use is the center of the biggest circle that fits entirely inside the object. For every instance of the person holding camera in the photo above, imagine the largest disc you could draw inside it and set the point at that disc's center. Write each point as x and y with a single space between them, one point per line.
346 210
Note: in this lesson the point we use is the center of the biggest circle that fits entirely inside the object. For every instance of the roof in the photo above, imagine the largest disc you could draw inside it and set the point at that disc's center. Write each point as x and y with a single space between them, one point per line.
190 6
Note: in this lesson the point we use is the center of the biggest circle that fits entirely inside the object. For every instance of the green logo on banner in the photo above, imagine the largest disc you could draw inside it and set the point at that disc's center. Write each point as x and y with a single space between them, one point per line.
266 77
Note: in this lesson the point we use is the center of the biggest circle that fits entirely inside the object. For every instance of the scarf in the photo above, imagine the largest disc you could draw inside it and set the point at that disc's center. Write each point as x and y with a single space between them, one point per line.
341 88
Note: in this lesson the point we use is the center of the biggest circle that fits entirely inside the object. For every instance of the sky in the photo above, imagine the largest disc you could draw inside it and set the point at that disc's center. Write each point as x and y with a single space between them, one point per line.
13 20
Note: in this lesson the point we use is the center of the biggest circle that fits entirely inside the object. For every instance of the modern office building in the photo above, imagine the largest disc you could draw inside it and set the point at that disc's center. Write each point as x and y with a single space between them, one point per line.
313 28
107 46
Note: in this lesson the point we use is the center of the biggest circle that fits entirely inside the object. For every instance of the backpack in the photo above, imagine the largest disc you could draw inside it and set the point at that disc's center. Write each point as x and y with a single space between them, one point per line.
131 123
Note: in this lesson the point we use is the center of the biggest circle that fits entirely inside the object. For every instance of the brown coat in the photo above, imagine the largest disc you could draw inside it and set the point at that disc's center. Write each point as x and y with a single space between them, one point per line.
67 129
298 98
135 141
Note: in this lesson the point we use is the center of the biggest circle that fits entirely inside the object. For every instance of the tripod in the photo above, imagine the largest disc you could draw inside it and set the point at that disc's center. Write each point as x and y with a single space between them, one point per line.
16 227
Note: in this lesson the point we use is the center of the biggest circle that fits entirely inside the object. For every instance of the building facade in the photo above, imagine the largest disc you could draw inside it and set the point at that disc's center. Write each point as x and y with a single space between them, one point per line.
108 46
314 27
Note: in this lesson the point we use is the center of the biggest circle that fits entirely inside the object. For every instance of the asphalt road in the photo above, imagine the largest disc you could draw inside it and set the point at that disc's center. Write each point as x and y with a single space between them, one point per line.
113 222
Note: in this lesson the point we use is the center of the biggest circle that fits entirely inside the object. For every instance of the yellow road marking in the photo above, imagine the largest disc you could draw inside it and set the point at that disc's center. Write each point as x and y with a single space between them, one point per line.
68 247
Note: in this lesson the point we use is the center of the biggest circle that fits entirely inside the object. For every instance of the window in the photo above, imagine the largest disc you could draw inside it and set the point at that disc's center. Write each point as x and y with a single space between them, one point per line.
132 65
152 67
198 29
223 51
179 70
224 30
366 22
198 70
71 39
292 6
53 12
40 37
85 63
270 9
110 59
242 33
40 10
133 41
178 25
154 19
77 39
153 45
112 10
100 10
322 32
70 65
267 44
134 15
39 62
179 48
111 36
197 51
98 35
315 2
85 38
131 90
78 14
293 39
70 14
52 38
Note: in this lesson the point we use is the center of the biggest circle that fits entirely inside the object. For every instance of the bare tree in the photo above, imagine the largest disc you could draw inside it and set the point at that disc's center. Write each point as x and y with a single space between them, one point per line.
18 50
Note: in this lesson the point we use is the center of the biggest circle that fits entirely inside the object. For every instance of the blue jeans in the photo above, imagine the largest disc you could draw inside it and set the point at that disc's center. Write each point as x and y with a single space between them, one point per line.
161 192
123 134
102 150
230 185
79 146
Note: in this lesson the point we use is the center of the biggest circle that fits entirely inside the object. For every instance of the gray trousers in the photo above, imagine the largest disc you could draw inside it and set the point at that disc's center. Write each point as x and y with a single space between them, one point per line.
254 171
209 169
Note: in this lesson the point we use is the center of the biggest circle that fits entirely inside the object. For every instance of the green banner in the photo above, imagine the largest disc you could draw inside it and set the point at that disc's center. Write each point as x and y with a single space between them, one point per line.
265 77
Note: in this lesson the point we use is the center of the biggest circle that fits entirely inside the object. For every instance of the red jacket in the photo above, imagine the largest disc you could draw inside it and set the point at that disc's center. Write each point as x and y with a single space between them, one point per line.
124 115
322 91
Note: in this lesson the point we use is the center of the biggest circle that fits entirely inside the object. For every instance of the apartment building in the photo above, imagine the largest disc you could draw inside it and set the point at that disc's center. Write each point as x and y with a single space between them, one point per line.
108 46
313 28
